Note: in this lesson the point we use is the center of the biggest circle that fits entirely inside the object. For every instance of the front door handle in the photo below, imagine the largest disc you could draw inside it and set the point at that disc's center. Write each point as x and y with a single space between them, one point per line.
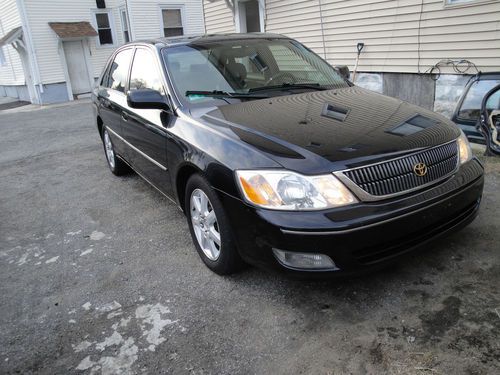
125 116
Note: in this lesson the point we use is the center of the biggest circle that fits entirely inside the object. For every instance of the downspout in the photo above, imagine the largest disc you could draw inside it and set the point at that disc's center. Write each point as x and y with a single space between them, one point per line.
30 49
129 19
322 30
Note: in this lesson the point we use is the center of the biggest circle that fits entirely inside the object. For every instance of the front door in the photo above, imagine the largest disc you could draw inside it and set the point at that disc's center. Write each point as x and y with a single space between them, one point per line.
112 98
76 63
146 129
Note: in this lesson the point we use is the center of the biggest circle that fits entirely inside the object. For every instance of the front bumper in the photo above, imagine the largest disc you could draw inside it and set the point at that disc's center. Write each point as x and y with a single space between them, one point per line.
359 237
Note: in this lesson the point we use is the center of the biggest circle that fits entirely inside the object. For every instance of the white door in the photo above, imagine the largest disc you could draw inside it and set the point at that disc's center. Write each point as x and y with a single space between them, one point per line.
249 16
77 67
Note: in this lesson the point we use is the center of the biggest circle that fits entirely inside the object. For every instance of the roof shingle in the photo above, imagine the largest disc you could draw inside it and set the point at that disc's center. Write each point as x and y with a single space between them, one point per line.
73 29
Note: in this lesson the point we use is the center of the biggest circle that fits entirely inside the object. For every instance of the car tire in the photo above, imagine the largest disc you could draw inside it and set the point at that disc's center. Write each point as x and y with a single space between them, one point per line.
206 222
117 166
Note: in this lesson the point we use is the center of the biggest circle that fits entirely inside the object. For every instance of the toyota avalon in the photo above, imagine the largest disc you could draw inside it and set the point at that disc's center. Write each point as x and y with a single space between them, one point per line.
277 159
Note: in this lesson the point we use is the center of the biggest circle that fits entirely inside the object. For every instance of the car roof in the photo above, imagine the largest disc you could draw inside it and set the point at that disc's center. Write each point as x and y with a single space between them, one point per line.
205 38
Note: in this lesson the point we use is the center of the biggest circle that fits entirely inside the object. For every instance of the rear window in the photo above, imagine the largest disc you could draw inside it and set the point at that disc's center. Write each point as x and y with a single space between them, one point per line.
471 105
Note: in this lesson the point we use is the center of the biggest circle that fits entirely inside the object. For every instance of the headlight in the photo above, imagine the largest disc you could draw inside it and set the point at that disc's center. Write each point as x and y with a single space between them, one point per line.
284 190
464 149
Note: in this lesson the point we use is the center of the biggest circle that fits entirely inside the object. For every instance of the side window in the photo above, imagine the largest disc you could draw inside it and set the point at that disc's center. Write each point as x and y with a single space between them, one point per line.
471 105
144 74
118 71
493 102
105 77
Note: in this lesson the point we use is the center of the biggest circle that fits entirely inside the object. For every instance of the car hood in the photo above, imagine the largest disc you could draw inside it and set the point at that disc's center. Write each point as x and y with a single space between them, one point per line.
347 127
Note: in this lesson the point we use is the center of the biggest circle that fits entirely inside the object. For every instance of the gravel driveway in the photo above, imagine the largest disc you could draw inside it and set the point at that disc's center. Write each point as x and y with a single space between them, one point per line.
98 275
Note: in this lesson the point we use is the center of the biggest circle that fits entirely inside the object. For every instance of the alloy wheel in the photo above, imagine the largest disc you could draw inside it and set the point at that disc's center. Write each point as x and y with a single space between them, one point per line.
110 154
205 225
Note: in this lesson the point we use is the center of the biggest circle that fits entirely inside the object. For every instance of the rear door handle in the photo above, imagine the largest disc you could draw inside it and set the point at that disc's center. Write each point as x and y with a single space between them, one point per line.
125 116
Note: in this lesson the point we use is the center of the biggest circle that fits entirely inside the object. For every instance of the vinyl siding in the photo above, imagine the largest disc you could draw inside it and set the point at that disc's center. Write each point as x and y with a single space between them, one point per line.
45 41
389 29
12 72
218 17
147 22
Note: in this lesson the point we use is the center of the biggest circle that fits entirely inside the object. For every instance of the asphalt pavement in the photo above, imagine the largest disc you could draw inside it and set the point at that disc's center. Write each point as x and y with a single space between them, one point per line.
98 274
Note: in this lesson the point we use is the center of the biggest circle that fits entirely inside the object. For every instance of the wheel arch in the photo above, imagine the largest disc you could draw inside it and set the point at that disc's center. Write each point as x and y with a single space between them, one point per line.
182 176
100 125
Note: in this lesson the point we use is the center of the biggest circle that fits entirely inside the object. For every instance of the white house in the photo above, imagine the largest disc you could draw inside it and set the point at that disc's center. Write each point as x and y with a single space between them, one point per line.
53 50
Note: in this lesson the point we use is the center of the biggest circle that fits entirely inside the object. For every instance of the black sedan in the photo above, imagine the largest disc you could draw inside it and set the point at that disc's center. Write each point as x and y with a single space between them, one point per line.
278 160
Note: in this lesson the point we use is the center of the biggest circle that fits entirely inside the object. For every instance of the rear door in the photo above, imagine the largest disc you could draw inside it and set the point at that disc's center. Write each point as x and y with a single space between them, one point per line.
469 107
146 129
112 99
489 123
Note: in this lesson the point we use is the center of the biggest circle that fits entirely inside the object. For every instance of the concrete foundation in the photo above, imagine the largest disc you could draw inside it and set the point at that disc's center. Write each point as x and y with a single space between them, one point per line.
412 88
440 95
52 93
18 92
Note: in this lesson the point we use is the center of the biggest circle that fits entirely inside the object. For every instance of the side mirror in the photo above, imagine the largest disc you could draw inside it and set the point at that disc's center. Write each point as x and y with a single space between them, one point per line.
147 99
343 71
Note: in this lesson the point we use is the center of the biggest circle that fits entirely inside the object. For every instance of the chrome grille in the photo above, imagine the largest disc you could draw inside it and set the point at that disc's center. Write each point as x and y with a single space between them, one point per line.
397 176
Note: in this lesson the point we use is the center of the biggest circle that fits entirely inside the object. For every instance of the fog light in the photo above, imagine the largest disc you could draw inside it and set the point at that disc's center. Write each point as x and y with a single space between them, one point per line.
305 261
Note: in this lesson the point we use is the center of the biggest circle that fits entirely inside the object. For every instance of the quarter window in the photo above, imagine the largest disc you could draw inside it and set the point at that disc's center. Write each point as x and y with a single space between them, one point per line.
104 28
118 71
144 74
105 78
172 22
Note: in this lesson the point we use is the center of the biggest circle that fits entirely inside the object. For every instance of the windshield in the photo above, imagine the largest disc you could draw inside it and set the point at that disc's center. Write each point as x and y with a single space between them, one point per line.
244 66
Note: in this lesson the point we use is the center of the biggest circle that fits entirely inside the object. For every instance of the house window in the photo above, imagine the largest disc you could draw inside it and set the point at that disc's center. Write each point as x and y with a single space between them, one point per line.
172 22
125 28
103 21
3 60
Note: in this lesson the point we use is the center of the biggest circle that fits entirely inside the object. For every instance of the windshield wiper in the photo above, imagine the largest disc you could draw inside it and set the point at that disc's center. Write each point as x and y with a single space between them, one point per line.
224 94
288 86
